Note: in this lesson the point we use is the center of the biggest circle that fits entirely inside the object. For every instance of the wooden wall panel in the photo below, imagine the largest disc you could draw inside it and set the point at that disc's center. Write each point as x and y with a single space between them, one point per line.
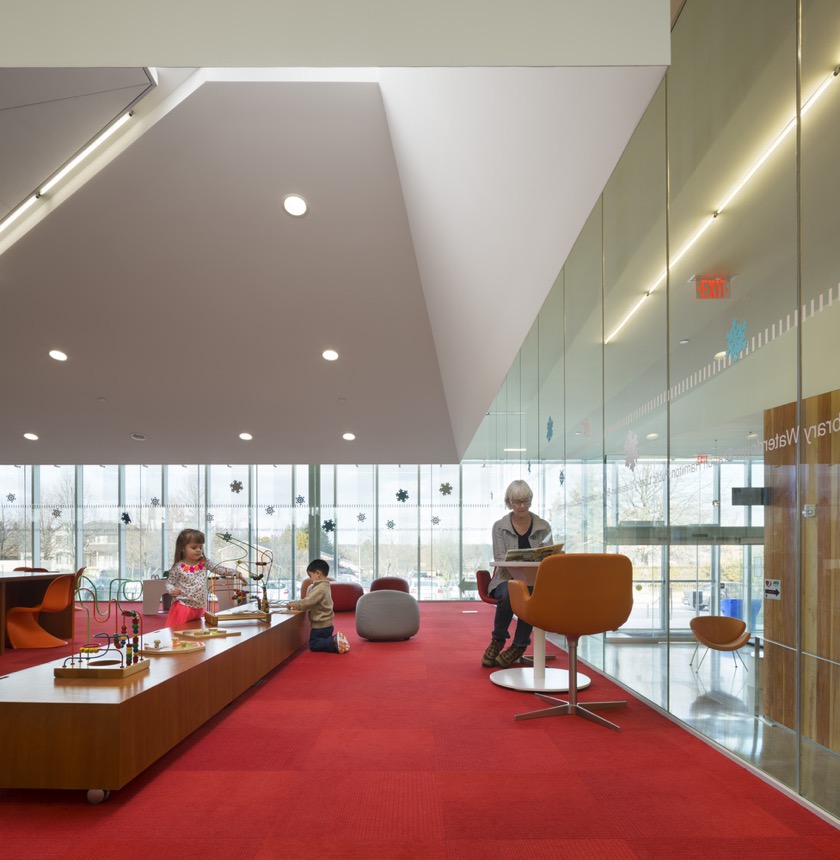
817 434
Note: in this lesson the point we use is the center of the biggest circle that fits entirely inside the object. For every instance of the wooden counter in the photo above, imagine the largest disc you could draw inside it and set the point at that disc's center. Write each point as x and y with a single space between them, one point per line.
98 735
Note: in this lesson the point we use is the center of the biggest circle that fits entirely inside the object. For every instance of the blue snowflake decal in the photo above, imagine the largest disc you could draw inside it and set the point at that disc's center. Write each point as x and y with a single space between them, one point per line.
549 429
390 524
155 502
56 512
210 518
631 450
300 499
10 497
435 521
328 526
126 519
236 487
361 518
225 537
446 489
402 495
269 509
736 339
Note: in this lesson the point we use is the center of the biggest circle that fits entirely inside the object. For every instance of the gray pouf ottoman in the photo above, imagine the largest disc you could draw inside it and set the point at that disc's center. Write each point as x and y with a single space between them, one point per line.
387 616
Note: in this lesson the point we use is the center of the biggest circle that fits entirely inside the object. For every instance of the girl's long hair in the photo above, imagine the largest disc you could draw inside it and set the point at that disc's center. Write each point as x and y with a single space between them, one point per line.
186 536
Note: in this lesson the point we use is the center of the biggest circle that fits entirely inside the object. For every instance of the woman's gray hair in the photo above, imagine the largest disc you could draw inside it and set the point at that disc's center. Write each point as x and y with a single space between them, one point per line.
518 490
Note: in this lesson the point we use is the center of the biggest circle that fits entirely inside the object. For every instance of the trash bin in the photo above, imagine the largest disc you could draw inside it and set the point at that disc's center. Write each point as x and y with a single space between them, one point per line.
732 606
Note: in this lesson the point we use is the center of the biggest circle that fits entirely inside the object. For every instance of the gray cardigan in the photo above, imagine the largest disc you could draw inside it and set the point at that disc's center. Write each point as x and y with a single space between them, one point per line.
505 537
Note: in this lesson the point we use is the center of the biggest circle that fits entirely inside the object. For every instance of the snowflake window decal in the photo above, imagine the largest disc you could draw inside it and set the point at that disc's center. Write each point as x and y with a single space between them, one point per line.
226 536
435 521
361 518
300 500
736 340
10 497
269 509
390 524
631 450
236 487
210 518
155 502
446 489
402 495
549 429
562 477
126 519
328 526
56 512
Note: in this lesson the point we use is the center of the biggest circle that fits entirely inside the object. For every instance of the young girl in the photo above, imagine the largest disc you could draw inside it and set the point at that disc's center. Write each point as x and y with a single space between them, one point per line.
187 581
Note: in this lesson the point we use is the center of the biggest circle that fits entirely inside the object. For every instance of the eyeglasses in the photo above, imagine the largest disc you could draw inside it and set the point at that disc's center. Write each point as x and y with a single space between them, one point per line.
520 501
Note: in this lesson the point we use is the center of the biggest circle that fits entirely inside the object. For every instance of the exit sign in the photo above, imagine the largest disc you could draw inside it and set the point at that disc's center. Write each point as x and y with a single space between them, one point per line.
711 288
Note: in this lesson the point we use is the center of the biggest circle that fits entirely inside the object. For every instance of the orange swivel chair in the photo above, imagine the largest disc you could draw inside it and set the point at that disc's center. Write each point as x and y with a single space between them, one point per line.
576 594
720 633
22 625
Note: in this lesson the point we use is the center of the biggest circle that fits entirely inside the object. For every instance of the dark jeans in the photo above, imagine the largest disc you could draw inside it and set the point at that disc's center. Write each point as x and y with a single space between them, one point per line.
504 615
321 639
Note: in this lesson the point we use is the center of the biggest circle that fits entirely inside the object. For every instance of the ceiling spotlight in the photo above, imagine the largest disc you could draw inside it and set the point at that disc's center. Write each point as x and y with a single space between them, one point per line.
684 341
349 437
330 355
31 437
652 436
246 437
719 356
138 437
295 205
58 355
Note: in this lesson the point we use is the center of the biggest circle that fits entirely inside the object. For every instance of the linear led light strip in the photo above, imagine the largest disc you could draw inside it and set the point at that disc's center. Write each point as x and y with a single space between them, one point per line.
70 166
727 200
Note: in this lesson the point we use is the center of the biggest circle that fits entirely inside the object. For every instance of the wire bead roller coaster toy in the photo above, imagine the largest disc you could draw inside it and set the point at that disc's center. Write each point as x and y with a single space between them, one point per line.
118 655
253 603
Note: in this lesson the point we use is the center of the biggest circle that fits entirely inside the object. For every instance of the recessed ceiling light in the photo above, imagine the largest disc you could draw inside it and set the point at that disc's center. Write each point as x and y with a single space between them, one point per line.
719 356
513 449
330 355
684 341
31 437
58 355
652 436
349 437
295 205
246 437
138 437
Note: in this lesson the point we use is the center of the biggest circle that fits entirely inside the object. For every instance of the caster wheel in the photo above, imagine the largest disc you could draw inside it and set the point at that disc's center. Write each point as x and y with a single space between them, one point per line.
98 795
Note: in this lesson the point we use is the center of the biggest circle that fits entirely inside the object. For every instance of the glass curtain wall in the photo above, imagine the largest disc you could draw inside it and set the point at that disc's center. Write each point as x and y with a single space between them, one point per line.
700 385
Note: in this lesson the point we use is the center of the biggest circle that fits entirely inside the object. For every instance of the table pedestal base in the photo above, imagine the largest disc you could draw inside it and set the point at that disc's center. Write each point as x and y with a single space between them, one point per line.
527 679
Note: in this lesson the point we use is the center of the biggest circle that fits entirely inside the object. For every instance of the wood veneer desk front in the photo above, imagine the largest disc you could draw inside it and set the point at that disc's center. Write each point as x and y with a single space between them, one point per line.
97 735
18 588
536 678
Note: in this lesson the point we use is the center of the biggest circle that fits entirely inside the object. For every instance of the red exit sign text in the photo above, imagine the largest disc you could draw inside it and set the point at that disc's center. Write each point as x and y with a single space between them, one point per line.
711 288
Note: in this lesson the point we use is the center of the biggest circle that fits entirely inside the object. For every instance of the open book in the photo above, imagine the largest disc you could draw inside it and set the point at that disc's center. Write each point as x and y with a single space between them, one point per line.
538 553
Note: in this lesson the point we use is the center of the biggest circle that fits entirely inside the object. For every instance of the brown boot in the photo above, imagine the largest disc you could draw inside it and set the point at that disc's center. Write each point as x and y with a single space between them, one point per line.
507 658
492 652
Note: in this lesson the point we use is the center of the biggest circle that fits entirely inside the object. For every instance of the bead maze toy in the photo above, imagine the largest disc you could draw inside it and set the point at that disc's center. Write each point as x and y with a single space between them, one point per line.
251 605
117 656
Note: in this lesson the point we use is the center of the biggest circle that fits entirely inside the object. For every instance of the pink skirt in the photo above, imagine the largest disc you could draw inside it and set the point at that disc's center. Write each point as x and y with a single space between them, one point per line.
180 614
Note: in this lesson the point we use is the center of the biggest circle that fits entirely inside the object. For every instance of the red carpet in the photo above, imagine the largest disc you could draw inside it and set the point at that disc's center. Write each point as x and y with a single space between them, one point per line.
407 750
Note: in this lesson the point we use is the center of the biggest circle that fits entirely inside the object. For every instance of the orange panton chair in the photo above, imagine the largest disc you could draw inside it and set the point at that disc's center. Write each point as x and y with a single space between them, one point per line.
22 625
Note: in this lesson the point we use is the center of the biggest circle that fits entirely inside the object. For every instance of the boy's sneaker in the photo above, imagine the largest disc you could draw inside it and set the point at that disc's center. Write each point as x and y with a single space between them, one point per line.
341 643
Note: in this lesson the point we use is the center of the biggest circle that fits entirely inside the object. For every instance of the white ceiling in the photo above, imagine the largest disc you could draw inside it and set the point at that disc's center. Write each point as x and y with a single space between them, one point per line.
444 201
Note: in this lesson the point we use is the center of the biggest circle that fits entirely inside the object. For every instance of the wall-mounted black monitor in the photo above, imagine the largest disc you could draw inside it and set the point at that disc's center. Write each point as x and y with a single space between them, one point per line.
750 496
